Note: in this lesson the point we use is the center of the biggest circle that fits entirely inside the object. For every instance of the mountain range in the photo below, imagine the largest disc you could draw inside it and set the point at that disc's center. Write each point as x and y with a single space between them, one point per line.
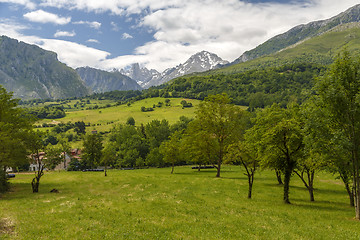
31 72
199 62
102 81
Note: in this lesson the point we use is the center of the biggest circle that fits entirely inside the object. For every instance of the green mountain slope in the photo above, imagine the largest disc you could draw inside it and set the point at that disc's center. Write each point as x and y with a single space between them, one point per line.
301 33
319 50
31 72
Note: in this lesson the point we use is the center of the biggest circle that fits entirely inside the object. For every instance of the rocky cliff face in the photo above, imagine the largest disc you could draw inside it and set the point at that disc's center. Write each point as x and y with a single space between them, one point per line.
300 33
142 75
199 62
31 72
101 81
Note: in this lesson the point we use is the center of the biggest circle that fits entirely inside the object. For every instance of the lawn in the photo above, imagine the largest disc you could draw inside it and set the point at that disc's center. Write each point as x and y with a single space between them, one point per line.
153 204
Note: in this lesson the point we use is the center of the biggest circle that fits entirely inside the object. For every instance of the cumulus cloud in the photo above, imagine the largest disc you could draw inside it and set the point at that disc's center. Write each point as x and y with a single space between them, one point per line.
27 3
94 24
126 36
92 41
41 16
73 54
64 34
181 28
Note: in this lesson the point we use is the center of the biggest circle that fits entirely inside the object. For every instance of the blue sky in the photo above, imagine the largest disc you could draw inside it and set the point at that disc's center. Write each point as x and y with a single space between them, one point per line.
157 34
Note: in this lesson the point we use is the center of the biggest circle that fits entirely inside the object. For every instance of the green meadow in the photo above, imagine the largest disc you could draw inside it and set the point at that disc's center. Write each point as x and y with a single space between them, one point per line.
154 204
104 119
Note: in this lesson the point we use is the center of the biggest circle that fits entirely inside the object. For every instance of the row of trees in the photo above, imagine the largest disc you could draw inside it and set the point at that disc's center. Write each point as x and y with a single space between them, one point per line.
320 134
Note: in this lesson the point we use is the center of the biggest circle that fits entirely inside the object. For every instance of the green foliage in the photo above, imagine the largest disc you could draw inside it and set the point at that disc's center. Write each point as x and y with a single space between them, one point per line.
253 88
172 150
130 121
92 150
15 133
339 94
79 127
278 134
220 124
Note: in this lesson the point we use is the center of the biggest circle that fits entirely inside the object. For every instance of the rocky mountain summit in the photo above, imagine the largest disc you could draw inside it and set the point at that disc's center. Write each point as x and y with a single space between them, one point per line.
199 62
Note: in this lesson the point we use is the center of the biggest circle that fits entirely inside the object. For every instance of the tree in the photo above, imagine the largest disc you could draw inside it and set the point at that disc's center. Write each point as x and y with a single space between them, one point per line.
15 133
109 155
339 93
42 161
280 140
92 150
221 121
130 121
171 150
130 144
64 147
156 132
80 127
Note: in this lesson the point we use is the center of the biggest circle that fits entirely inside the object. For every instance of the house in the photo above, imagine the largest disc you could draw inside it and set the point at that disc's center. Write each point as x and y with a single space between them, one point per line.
65 162
34 164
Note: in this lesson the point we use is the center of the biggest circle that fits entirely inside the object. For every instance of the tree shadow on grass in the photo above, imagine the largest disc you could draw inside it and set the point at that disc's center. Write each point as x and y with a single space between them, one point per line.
319 205
24 190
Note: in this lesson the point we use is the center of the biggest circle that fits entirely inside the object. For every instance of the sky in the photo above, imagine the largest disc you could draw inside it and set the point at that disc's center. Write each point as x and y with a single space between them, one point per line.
157 34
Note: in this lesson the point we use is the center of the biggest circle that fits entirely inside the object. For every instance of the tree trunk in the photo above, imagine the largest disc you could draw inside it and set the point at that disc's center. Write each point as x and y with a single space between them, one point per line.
311 193
287 178
218 169
35 184
278 176
251 181
350 193
105 171
199 168
172 169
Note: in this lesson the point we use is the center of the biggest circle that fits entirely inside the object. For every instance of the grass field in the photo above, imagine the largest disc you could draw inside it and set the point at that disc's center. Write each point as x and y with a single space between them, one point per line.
153 204
104 119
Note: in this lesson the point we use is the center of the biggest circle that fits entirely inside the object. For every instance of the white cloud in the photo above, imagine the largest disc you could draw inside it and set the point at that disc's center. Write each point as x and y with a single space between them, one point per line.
27 3
126 36
181 28
64 34
92 41
94 24
114 27
41 16
73 54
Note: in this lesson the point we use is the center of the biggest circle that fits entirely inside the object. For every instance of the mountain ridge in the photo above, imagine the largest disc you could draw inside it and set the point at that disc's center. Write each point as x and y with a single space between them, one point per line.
103 81
199 62
299 33
31 72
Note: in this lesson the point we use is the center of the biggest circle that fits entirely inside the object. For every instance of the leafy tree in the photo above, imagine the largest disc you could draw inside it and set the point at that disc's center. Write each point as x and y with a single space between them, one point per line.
198 146
79 127
130 121
280 138
156 132
53 158
92 150
221 121
130 144
339 92
15 133
171 150
246 153
109 155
